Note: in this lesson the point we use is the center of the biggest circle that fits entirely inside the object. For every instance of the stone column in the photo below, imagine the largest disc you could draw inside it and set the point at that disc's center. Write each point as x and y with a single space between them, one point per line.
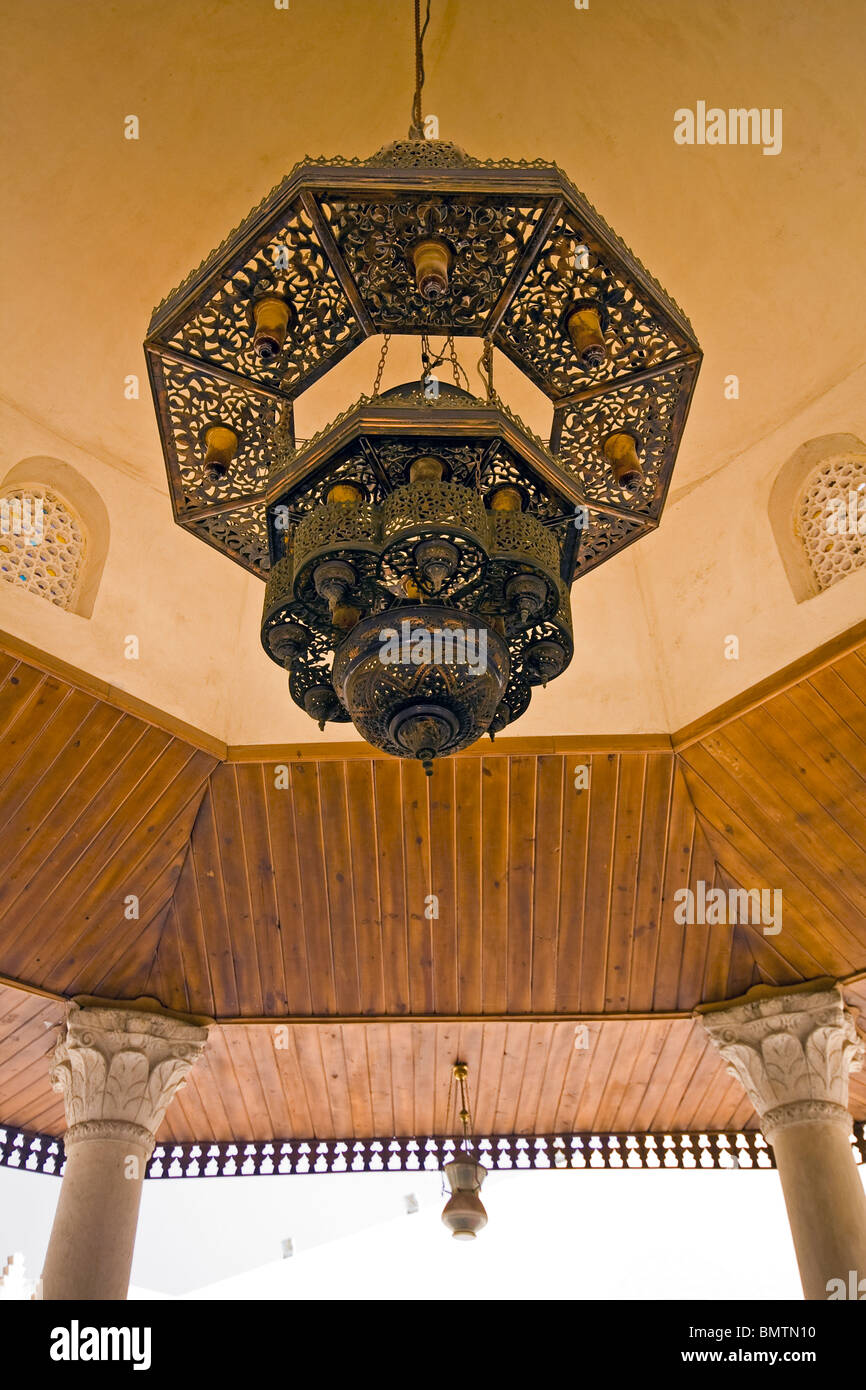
118 1066
793 1050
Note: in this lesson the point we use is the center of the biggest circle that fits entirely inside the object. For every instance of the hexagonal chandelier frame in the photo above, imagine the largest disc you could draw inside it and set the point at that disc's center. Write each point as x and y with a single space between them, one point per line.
527 249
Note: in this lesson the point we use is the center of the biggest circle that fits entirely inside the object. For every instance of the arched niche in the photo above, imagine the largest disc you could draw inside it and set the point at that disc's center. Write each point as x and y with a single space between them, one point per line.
70 486
785 496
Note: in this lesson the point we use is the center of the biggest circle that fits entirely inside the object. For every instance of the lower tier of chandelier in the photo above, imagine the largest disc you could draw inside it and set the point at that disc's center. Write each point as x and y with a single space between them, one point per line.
419 578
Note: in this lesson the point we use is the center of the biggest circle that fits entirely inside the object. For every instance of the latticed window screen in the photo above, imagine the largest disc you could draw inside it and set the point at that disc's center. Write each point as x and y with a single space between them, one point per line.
831 518
42 544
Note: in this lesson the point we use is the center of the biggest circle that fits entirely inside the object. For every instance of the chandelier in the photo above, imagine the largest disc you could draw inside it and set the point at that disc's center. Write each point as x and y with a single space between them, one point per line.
419 552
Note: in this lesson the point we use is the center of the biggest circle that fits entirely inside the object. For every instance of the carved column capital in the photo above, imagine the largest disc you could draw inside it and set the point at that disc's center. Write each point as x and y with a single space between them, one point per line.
792 1051
118 1067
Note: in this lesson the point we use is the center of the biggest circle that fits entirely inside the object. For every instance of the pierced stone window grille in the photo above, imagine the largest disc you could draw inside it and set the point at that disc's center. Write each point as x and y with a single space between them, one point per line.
42 544
831 519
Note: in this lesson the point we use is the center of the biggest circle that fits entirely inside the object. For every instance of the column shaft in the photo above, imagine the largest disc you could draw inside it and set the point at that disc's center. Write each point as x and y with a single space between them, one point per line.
90 1249
825 1201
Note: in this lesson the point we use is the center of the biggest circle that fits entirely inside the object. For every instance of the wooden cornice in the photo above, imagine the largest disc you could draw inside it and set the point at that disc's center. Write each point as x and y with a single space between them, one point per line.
536 745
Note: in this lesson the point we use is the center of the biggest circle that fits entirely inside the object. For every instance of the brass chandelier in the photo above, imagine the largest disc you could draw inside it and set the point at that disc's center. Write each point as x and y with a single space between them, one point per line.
419 552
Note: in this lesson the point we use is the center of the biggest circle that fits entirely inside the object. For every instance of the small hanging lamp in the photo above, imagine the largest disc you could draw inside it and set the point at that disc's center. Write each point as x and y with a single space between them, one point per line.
464 1214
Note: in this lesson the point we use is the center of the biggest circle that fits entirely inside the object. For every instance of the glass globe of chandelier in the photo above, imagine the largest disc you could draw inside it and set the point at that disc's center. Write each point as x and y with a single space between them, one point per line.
419 552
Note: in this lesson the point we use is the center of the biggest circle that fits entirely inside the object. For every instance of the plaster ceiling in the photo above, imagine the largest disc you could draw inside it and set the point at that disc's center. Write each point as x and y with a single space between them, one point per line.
100 228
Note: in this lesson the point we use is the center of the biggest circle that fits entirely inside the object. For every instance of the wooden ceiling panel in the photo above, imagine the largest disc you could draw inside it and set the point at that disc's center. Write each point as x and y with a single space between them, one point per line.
416 920
28 1030
496 887
373 1080
378 1079
95 806
781 794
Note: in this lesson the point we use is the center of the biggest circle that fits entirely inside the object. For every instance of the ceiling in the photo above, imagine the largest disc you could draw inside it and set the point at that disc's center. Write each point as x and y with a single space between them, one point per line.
308 903
728 231
305 904
765 255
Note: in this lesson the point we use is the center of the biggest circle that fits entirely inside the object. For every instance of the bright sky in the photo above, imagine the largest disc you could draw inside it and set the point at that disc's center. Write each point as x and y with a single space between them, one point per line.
561 1234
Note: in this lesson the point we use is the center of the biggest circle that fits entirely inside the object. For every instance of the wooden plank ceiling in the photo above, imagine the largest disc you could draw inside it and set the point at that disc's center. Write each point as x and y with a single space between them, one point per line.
448 912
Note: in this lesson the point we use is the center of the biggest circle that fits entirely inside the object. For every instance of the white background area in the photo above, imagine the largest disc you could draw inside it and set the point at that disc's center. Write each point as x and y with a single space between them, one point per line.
678 1234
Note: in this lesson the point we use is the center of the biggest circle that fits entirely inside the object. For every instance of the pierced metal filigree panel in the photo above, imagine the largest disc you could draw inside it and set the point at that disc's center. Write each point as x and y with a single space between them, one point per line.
192 401
335 240
336 526
354 465
477 459
290 263
601 535
654 410
315 673
416 504
503 466
422 154
486 239
462 458
241 534
519 534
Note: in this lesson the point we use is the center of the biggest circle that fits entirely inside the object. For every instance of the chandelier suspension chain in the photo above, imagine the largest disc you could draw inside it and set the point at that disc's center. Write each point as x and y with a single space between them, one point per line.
416 129
430 360
455 365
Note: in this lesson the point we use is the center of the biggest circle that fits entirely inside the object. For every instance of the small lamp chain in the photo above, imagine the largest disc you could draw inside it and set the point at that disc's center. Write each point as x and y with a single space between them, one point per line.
455 365
485 369
427 361
430 360
380 369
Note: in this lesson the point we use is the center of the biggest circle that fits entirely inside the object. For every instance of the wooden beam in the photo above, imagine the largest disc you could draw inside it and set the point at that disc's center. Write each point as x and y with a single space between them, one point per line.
329 1020
538 746
776 684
